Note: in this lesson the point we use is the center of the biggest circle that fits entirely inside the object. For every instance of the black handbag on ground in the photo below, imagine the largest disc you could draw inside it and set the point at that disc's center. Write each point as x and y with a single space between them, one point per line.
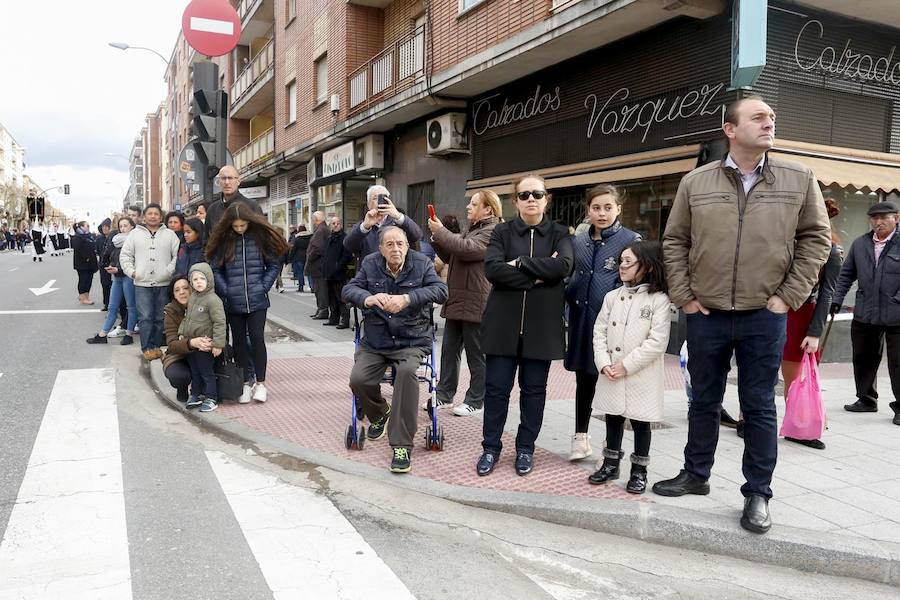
229 376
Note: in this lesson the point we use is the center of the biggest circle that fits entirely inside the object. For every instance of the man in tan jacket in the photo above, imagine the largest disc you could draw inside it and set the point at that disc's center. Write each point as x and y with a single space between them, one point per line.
744 243
469 290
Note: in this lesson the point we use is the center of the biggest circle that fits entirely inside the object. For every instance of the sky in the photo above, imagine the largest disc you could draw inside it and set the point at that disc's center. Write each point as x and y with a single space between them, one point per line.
69 98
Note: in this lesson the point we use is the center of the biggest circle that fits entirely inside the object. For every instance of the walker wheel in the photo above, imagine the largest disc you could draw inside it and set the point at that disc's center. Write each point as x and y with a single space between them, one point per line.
348 438
440 440
428 438
361 438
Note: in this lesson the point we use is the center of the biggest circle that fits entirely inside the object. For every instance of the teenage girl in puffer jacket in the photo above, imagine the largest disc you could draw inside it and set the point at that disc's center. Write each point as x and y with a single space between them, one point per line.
246 255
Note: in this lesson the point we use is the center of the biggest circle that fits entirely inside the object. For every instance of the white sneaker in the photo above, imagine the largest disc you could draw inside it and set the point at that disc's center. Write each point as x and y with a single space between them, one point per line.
245 395
465 410
116 332
137 329
581 446
259 392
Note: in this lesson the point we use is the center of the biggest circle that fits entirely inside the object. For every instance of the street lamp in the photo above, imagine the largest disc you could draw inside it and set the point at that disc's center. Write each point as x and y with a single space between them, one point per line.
124 46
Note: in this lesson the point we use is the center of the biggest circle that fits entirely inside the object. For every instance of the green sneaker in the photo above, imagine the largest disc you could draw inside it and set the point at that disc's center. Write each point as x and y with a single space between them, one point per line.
376 429
400 464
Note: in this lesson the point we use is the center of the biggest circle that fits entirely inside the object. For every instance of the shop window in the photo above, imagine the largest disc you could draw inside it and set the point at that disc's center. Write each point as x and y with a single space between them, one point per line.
823 116
322 80
418 196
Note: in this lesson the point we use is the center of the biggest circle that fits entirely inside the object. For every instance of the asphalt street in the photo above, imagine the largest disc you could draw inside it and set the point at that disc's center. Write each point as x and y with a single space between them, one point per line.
106 492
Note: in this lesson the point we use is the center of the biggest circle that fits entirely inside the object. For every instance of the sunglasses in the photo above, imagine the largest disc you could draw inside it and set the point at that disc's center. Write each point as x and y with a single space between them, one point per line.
538 194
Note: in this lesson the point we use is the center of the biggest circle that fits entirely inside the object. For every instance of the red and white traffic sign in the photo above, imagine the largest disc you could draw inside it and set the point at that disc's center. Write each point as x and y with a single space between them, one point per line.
211 27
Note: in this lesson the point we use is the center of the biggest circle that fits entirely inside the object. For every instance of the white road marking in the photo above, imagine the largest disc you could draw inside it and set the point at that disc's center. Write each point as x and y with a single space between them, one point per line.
67 534
60 311
305 547
45 289
14 269
212 25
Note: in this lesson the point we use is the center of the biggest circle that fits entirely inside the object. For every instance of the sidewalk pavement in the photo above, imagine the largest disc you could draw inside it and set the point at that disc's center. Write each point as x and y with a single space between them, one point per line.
835 511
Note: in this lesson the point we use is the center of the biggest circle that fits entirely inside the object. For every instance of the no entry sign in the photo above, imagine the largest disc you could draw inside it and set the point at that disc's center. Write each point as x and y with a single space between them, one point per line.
211 27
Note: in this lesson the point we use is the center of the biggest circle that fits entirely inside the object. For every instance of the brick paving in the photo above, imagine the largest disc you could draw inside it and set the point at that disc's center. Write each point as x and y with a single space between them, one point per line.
309 404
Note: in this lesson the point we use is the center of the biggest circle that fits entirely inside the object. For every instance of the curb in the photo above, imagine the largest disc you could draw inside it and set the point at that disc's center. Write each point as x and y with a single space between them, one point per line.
785 546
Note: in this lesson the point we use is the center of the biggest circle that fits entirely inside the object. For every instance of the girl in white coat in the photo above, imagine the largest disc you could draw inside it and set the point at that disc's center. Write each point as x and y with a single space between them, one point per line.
630 338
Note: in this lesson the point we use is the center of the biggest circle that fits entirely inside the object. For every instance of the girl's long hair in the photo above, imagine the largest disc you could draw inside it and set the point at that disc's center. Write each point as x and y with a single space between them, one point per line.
269 241
649 257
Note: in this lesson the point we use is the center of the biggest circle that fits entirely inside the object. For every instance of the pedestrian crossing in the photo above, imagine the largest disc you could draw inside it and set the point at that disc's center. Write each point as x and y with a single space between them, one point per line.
68 536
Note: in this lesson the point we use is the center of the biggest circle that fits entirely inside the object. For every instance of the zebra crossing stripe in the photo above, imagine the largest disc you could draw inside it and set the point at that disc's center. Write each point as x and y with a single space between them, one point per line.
304 546
67 536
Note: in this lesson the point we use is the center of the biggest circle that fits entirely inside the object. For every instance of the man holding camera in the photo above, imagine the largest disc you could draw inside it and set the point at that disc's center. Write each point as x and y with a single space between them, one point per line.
363 238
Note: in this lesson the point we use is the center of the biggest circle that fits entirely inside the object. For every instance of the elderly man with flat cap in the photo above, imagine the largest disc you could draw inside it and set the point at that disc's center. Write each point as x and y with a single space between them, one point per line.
874 264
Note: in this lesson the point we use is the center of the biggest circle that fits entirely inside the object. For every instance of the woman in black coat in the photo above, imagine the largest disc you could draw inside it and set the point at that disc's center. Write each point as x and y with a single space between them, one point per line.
527 261
84 260
297 255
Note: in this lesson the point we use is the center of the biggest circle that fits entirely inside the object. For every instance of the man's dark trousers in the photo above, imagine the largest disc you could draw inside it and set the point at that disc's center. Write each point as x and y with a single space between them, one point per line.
868 346
756 338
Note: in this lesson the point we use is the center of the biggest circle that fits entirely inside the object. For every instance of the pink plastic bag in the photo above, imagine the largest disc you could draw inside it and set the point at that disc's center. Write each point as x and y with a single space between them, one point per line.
804 414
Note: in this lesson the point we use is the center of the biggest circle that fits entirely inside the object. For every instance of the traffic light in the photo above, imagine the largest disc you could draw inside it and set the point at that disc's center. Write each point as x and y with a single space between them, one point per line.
66 189
209 108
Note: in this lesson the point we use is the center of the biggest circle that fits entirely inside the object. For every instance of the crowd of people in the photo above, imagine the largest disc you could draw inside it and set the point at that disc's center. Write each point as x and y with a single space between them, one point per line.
748 255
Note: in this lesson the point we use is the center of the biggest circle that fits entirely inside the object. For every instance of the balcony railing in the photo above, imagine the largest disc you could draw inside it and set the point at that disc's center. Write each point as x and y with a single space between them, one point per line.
245 7
259 66
389 72
256 151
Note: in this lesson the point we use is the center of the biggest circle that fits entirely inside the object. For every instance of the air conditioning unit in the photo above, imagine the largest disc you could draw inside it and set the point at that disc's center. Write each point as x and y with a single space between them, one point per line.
370 153
447 134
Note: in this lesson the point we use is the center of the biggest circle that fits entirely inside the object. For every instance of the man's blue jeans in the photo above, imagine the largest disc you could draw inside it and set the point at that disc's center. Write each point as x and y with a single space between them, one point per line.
150 304
756 338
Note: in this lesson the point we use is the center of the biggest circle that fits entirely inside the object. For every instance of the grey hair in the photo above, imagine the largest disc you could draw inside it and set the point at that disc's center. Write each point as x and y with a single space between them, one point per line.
374 190
319 215
383 231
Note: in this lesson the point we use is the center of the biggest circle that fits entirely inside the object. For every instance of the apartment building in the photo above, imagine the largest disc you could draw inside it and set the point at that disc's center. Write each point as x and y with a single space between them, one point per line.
12 177
437 98
135 194
151 148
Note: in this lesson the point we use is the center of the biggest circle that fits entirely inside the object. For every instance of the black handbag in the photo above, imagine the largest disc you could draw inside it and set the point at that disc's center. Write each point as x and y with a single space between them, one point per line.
229 376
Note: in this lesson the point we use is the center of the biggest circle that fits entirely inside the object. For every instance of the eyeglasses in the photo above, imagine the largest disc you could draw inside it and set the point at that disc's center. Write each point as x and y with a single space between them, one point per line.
226 178
538 194
400 244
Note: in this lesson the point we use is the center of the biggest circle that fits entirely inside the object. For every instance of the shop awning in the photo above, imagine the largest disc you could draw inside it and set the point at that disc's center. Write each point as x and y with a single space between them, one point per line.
845 167
641 165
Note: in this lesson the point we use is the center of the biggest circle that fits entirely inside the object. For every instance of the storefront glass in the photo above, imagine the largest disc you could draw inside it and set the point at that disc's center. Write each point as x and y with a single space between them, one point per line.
278 218
330 199
355 201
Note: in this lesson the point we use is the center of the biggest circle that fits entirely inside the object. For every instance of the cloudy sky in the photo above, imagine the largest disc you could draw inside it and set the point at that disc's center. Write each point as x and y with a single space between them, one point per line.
70 98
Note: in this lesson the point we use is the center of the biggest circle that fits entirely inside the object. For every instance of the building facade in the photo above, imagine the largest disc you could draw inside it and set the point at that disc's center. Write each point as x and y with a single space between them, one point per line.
12 178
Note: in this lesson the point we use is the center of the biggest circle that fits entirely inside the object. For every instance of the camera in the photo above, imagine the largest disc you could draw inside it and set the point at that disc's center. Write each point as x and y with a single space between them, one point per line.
383 200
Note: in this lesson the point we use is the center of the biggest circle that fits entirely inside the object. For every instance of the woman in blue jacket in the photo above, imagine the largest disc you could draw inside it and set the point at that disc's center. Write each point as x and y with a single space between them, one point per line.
246 254
596 273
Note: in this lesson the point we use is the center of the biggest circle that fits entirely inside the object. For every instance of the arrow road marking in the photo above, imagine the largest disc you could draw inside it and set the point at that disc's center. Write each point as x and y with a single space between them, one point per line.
46 289
212 26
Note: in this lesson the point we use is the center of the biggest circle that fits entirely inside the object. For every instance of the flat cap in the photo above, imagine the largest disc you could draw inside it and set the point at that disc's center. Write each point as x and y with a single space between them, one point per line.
883 207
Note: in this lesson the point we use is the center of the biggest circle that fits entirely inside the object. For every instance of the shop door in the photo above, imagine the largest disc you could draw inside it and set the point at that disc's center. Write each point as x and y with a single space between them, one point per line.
418 197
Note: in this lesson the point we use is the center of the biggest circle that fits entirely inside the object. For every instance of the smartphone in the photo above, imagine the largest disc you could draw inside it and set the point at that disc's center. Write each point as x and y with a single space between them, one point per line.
431 212
383 200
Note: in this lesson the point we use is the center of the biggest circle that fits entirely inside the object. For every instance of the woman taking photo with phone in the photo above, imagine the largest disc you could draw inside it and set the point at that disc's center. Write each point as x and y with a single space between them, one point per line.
246 255
522 329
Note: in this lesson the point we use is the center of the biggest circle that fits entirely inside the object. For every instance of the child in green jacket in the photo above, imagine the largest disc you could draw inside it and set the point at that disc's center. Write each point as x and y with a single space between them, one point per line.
205 317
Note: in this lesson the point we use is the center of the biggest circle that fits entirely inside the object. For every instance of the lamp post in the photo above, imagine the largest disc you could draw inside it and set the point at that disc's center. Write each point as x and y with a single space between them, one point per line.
124 46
